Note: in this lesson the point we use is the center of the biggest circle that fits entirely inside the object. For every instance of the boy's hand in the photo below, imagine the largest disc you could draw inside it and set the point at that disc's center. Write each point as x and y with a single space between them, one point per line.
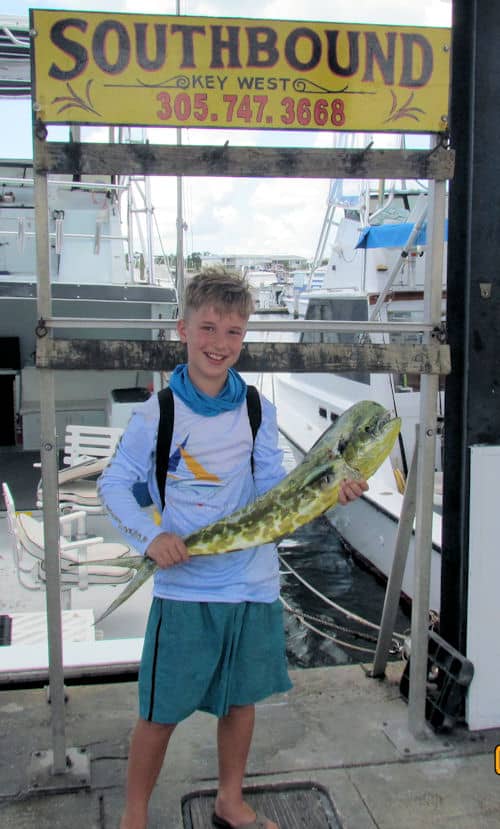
167 549
350 490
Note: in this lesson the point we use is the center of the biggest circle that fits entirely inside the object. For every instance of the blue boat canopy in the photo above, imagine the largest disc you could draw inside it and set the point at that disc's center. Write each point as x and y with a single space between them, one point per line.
392 236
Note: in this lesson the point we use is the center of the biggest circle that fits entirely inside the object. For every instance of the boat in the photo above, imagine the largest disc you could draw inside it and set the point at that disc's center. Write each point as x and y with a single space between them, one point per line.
102 237
267 287
101 267
375 271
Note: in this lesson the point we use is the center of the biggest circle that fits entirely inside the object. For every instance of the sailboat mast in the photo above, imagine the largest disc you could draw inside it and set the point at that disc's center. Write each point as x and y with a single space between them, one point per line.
180 225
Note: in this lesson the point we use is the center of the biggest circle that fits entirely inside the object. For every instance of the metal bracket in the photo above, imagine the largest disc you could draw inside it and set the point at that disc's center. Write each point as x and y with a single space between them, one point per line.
439 333
410 746
76 776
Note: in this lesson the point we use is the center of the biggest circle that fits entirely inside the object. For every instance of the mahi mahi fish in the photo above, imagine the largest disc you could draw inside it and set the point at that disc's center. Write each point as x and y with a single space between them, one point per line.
352 448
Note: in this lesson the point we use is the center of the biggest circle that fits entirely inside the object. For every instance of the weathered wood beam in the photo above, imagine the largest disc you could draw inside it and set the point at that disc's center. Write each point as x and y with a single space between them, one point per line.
164 355
263 162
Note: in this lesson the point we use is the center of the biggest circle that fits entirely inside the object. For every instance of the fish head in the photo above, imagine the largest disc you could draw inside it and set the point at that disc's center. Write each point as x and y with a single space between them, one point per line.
368 435
354 446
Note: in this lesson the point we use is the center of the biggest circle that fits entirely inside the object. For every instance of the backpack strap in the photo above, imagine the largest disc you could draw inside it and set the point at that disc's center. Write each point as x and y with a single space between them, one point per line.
166 428
254 407
164 438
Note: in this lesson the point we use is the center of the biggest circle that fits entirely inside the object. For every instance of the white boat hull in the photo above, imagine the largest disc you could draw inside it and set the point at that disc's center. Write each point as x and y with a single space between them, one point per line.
370 532
369 525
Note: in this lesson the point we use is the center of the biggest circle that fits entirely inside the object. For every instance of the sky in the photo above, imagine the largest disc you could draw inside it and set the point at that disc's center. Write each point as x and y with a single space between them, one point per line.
224 216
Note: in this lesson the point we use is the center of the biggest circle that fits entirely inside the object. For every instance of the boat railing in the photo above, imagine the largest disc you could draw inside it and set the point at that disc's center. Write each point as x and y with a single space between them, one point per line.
135 189
63 182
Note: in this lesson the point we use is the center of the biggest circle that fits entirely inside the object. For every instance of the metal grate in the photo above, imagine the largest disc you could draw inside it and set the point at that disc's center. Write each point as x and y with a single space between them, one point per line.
290 805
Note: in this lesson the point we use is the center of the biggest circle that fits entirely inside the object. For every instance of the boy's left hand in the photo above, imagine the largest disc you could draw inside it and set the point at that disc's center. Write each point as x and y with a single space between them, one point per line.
350 490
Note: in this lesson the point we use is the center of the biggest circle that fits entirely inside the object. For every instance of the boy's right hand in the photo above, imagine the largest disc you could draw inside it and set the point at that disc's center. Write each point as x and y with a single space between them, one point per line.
167 549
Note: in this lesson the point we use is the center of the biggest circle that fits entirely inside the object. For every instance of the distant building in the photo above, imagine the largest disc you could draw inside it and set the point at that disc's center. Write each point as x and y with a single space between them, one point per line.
257 261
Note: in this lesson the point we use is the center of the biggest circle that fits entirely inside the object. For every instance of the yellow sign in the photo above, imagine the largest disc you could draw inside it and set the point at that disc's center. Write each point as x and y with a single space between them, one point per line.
175 71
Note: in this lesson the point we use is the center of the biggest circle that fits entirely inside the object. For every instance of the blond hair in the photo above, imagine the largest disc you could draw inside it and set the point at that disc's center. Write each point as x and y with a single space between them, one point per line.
222 289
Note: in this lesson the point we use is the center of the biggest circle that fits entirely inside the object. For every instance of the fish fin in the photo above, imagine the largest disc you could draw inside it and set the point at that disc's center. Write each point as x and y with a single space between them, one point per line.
317 474
342 470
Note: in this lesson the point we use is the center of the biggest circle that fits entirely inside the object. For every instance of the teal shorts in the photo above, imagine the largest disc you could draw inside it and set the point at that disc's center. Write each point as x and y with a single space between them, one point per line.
208 656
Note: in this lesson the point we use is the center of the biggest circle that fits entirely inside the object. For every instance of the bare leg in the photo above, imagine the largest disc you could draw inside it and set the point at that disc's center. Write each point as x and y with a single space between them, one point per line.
147 750
234 735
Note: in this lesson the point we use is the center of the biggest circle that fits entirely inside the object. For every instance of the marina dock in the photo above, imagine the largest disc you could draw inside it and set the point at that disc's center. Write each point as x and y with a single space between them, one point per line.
333 752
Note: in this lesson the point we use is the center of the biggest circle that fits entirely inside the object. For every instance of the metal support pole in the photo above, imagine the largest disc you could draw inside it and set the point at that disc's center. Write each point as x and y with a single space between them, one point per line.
130 232
179 268
395 580
429 389
179 282
423 550
398 264
49 480
149 230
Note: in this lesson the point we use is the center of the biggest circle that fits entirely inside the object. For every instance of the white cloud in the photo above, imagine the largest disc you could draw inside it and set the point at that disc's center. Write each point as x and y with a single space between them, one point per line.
424 13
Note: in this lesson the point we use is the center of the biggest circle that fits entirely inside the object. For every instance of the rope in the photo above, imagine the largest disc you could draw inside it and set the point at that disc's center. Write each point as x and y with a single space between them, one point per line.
348 613
306 624
329 624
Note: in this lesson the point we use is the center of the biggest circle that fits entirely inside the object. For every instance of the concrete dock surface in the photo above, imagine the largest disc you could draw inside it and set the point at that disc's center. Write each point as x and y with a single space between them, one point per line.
338 729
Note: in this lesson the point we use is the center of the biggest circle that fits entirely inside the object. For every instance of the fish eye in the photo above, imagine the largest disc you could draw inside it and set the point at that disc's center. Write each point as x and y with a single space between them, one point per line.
372 426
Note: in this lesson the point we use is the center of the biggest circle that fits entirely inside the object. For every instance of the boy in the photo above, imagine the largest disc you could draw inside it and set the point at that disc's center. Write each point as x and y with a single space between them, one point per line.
214 640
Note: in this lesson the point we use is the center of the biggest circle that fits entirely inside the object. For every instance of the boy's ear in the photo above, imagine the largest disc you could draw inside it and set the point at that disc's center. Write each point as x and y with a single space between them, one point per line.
181 330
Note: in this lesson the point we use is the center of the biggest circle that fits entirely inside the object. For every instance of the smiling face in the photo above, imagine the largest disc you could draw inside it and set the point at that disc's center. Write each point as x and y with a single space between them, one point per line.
214 339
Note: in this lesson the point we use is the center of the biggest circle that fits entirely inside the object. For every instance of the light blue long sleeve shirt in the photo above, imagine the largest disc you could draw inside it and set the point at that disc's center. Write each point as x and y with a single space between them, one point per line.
209 477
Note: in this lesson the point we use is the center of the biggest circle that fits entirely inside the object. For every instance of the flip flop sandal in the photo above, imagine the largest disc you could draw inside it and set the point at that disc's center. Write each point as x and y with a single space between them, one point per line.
260 822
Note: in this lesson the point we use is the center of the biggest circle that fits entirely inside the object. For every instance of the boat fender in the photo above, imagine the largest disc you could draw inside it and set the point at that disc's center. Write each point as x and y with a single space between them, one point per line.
400 481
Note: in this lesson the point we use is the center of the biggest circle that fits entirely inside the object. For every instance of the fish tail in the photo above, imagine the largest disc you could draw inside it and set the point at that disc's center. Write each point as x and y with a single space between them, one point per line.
143 573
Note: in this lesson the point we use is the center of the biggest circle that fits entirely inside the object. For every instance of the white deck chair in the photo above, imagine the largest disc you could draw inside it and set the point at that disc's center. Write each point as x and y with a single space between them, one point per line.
82 443
74 546
87 450
77 487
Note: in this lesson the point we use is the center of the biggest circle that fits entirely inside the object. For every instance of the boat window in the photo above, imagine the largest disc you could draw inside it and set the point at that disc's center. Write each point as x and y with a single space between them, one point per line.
344 338
322 411
407 382
342 308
